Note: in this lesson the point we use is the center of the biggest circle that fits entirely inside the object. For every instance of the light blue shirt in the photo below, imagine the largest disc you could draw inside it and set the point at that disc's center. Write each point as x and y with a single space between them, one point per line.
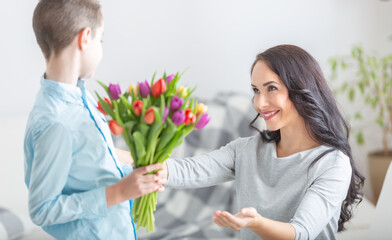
69 160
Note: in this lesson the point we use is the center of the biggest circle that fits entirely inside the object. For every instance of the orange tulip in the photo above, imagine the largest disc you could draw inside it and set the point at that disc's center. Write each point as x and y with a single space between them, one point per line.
149 117
158 88
115 128
137 107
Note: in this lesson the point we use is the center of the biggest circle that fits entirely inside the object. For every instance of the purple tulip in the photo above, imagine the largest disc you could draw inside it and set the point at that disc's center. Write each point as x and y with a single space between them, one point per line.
165 114
169 78
144 89
114 91
204 119
176 103
178 118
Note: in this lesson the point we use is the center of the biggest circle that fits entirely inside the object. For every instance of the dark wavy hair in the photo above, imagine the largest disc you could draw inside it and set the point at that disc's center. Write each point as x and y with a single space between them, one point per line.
314 101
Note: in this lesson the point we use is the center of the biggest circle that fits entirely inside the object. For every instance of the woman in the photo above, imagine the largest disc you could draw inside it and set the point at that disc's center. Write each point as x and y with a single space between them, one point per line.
296 180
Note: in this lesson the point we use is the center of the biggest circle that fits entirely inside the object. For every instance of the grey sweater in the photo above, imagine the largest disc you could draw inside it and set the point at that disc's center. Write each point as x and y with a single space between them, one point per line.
282 189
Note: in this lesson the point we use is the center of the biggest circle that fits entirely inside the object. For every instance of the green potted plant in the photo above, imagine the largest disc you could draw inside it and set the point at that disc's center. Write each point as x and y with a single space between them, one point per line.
369 79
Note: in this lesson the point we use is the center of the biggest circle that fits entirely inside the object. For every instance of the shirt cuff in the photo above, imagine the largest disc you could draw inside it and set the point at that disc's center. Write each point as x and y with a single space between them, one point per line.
172 172
94 203
300 232
126 169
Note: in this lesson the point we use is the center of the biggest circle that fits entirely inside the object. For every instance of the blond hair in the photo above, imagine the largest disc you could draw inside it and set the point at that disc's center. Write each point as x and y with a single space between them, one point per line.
57 22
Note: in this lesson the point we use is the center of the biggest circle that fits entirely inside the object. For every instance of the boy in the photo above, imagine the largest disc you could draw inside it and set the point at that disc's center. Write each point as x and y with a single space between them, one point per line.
77 187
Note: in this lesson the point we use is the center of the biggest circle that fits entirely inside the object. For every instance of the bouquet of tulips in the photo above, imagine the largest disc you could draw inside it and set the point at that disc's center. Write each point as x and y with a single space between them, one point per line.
153 118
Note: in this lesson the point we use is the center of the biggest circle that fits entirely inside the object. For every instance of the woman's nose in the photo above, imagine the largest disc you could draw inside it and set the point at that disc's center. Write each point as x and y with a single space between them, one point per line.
260 102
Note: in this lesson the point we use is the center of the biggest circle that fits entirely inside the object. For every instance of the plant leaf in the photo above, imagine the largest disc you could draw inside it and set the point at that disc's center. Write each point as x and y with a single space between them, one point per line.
360 139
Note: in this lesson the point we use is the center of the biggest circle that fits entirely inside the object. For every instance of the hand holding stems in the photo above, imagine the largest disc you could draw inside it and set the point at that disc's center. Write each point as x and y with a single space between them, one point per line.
135 184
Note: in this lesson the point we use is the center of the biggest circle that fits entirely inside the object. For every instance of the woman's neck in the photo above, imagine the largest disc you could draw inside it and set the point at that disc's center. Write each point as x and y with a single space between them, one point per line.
294 139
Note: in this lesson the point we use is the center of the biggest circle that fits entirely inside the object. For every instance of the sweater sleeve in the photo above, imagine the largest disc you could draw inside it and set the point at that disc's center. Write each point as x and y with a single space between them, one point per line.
324 197
50 168
203 170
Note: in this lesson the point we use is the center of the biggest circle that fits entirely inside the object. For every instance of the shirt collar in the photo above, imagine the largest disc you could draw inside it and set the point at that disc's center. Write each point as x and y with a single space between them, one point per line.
64 91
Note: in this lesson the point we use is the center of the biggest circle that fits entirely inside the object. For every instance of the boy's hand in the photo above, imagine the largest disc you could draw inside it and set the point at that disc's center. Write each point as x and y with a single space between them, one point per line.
134 185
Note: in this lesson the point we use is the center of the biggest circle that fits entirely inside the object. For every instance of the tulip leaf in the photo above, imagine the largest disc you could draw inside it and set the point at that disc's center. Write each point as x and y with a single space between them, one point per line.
158 116
122 108
162 106
142 128
117 116
129 125
153 78
140 143
133 95
167 134
152 140
127 137
106 107
172 86
125 102
104 87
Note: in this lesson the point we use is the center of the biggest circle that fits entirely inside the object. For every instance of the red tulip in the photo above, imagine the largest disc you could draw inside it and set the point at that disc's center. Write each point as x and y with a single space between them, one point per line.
115 128
149 117
100 108
158 87
137 107
190 118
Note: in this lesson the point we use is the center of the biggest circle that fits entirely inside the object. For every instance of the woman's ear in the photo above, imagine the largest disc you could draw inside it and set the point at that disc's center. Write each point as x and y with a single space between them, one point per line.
84 37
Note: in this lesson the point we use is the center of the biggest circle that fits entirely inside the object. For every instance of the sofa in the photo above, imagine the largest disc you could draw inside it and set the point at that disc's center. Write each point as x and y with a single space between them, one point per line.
181 214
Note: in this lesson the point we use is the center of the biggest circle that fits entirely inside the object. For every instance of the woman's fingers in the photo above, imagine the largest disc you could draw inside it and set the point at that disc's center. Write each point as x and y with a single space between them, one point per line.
149 168
226 219
231 221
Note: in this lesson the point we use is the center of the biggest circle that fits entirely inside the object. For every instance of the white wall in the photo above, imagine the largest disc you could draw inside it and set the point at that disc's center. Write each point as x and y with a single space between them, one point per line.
218 39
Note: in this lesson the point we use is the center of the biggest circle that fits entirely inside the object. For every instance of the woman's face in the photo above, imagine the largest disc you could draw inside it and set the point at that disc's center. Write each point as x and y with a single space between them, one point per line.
271 99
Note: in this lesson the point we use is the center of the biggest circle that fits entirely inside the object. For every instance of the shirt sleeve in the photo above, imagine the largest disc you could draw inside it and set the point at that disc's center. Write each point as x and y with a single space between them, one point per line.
50 168
203 170
324 197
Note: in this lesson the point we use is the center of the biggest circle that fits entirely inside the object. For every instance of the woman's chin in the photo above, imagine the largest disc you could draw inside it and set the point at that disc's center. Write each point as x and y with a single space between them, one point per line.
272 128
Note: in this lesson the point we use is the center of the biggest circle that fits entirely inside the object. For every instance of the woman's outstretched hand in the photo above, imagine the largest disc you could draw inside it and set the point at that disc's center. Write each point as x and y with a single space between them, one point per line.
245 218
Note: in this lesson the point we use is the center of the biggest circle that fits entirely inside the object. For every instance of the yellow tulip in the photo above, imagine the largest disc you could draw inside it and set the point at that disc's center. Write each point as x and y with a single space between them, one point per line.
201 108
182 92
132 88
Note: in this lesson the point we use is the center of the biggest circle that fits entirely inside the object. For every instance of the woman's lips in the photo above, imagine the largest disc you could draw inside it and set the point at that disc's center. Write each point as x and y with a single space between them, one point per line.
267 115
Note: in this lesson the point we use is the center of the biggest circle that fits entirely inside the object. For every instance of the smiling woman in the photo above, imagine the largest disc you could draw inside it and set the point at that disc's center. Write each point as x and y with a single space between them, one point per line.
297 179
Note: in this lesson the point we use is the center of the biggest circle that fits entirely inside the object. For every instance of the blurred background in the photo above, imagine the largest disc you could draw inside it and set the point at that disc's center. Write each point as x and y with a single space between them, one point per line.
217 39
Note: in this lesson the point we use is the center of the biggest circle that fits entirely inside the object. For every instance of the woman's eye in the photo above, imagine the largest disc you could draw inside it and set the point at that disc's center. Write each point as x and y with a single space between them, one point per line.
255 90
272 88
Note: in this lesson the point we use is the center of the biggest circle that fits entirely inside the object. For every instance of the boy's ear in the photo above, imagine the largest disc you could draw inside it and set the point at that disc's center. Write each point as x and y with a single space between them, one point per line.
84 37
